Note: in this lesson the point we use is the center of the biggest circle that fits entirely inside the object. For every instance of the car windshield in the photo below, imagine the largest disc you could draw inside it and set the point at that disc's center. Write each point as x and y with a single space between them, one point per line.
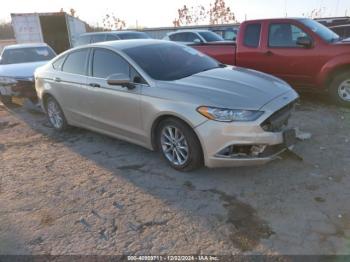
210 36
321 30
133 35
27 55
168 61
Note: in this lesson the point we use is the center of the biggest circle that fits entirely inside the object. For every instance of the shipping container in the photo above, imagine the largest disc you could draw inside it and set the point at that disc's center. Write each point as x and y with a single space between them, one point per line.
58 30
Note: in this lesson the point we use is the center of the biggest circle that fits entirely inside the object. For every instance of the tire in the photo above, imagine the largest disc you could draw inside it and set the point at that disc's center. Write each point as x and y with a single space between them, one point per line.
340 89
6 100
55 115
179 145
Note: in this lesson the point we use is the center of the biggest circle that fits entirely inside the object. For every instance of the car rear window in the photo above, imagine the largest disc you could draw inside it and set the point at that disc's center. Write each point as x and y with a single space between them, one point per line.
252 35
27 55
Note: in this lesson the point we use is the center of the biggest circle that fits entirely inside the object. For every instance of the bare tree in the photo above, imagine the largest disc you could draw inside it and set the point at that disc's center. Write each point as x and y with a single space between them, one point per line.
6 31
111 22
219 13
192 15
316 13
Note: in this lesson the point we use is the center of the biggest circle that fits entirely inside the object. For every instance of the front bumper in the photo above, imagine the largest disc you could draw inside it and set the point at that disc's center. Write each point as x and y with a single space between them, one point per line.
244 143
23 88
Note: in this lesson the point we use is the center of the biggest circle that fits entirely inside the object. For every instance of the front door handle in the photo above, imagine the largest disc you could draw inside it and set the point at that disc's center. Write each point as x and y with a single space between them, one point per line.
94 85
57 79
269 53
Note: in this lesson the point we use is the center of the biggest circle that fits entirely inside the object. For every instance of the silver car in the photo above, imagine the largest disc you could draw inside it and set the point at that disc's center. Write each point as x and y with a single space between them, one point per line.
169 97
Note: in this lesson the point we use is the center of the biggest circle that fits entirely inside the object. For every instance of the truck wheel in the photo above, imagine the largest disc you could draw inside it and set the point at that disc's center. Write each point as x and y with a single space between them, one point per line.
340 89
6 100
179 145
55 115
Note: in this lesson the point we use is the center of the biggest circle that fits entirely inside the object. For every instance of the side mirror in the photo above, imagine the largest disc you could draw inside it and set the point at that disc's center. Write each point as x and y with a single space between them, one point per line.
120 80
304 42
0 60
197 41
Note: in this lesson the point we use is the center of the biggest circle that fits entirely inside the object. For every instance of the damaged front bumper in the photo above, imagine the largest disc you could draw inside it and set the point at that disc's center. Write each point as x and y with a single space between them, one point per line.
20 87
249 143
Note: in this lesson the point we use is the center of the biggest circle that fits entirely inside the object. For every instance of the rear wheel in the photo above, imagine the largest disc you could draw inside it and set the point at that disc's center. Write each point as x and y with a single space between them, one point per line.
340 89
179 145
55 114
6 100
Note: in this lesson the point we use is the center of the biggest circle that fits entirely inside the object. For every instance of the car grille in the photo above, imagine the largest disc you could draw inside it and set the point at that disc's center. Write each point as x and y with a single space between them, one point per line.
278 120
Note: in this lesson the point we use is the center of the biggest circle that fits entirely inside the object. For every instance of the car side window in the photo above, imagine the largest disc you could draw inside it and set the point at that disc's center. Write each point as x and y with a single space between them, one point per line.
252 35
83 40
98 38
111 37
179 37
191 37
57 65
76 62
285 35
106 63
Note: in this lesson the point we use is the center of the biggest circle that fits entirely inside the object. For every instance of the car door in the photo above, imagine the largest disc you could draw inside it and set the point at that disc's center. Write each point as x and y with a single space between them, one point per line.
284 58
114 109
68 81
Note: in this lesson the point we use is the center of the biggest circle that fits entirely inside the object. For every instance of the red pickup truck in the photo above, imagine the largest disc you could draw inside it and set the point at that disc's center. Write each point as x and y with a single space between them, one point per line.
301 51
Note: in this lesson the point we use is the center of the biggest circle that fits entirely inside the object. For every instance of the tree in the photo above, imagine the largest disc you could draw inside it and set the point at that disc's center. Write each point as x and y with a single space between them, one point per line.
315 13
6 31
220 14
192 15
111 22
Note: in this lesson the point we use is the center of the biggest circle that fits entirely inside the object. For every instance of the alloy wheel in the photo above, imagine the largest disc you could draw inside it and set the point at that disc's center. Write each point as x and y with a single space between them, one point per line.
344 90
55 114
174 145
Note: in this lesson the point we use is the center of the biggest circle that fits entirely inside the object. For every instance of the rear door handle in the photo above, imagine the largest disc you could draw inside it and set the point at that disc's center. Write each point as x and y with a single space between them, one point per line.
269 53
57 79
94 85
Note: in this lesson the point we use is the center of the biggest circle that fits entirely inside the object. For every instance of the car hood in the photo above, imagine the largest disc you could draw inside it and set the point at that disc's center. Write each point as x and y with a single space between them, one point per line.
231 87
22 70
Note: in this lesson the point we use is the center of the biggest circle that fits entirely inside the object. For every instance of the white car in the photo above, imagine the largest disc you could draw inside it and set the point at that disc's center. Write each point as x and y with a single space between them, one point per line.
17 66
193 36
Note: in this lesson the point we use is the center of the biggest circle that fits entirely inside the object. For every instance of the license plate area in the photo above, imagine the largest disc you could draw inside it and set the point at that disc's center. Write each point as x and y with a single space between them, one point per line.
289 137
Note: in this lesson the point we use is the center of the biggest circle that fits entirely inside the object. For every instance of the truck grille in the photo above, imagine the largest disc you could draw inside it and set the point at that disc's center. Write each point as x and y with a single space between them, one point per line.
278 120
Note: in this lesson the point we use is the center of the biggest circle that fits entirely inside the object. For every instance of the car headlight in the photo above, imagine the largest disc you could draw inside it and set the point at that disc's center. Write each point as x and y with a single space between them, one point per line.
7 80
229 115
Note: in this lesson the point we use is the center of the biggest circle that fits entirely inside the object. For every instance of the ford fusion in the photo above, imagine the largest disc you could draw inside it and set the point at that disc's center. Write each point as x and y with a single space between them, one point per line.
171 98
17 65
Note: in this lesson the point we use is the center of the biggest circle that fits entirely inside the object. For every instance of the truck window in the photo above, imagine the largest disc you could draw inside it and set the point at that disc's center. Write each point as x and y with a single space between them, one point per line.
285 35
76 62
252 35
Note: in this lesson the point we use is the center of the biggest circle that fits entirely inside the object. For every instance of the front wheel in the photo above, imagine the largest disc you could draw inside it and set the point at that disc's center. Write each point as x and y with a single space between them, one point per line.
6 100
340 89
179 145
55 115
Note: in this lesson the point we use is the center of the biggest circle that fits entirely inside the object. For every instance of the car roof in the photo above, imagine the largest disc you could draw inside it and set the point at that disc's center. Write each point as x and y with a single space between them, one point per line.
16 46
110 33
190 31
278 19
120 45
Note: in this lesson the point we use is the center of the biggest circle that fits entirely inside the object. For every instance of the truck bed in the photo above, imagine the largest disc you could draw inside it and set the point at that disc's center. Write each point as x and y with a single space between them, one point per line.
224 51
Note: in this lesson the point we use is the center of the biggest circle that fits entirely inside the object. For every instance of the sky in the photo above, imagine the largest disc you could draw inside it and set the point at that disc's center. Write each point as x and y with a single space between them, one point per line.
156 13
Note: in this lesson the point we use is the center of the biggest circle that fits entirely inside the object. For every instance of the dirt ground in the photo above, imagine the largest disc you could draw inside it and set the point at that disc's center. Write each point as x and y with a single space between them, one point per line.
85 193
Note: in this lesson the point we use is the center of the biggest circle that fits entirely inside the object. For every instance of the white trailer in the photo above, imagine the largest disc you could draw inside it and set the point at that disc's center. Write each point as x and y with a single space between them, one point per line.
58 30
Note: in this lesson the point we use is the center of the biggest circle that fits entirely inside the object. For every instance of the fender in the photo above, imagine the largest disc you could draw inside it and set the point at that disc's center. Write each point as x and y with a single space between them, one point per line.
332 65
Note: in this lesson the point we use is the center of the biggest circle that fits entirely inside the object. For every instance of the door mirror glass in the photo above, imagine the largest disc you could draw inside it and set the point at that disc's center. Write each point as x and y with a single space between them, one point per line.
120 80
0 60
304 41
197 41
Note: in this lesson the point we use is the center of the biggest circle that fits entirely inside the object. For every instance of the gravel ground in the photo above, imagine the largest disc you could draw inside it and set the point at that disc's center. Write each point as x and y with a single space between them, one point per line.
84 193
